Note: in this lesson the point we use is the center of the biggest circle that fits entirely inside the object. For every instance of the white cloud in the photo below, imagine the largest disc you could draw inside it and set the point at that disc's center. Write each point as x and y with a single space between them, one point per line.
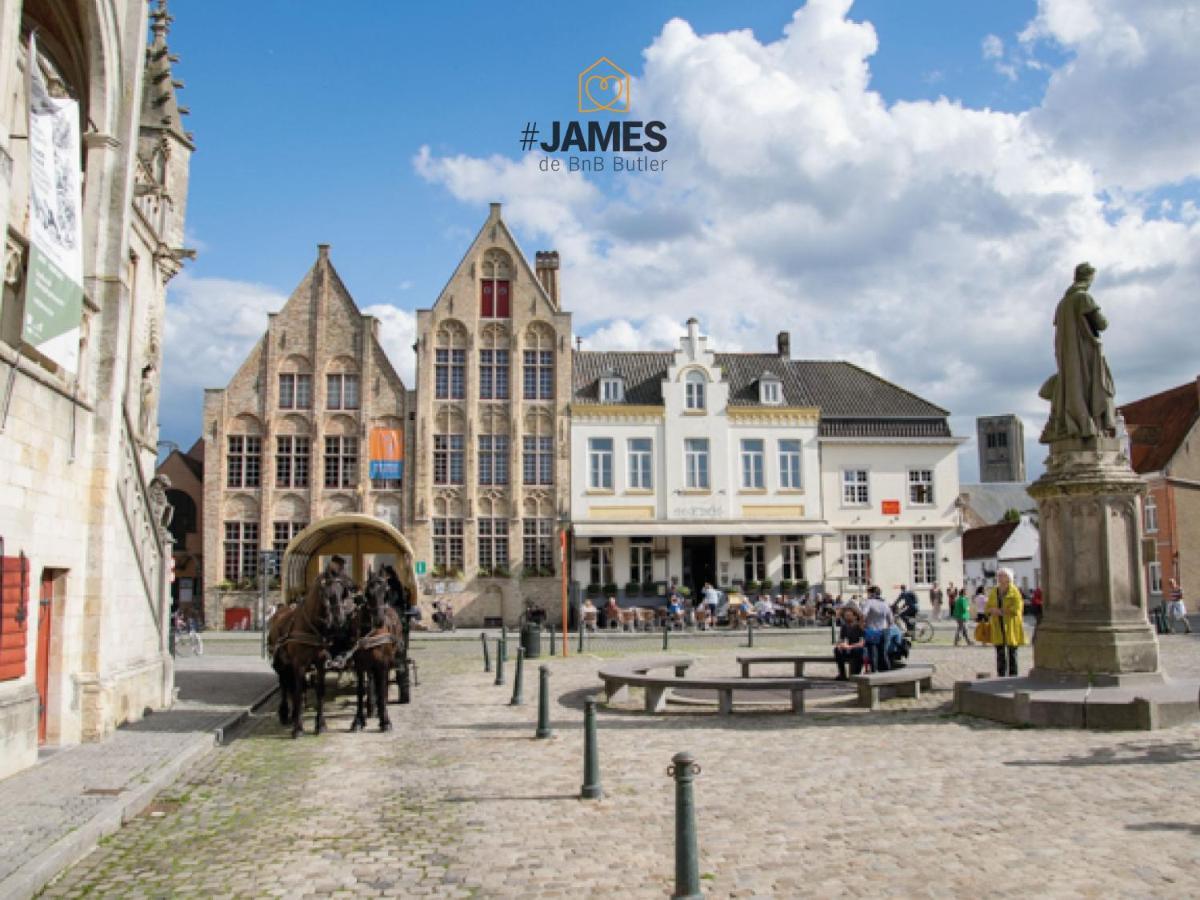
993 47
926 240
397 333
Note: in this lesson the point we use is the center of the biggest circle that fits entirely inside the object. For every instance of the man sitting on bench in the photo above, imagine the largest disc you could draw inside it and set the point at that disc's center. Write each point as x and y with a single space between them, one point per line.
851 645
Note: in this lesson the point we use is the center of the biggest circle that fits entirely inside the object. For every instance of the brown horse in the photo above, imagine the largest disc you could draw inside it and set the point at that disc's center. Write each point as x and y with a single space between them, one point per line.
298 639
379 641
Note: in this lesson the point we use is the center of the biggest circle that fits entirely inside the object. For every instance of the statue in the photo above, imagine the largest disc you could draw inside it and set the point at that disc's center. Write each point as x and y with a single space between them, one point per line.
149 396
1081 391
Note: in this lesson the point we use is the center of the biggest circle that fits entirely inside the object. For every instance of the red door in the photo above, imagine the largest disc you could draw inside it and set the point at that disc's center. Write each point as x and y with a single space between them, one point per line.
43 651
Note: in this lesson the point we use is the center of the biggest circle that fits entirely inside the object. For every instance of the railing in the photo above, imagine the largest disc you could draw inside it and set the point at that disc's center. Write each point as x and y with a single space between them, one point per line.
141 521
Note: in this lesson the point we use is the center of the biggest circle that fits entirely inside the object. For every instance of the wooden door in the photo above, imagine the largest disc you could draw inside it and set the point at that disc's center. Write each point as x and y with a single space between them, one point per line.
45 598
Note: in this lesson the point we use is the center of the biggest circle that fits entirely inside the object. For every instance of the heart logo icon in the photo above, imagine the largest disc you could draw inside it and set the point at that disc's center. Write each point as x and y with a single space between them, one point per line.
604 91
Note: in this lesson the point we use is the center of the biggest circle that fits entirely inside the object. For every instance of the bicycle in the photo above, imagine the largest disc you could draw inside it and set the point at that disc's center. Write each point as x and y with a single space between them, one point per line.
187 640
919 630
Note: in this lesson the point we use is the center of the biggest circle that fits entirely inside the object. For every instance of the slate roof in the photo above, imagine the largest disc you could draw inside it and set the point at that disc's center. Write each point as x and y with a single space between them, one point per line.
853 402
986 542
990 501
1158 424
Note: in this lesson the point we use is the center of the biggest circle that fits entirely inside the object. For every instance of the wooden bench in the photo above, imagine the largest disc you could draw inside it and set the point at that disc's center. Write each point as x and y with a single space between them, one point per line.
617 678
906 682
798 661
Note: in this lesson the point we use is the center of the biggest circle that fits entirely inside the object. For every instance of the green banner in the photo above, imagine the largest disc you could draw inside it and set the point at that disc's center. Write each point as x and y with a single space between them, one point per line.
53 307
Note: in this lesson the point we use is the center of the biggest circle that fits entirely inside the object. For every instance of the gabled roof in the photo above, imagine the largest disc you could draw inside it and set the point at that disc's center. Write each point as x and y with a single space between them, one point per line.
986 542
992 500
1158 424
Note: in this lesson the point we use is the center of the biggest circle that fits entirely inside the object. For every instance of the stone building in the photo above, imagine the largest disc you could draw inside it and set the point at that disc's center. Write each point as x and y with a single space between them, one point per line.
182 475
755 469
1001 441
314 423
83 630
491 463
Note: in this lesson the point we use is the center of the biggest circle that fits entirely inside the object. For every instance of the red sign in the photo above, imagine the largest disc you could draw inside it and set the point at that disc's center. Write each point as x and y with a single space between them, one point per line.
891 507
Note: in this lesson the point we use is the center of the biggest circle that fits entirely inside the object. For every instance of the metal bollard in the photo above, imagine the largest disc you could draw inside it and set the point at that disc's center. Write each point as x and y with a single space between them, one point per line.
504 642
518 694
499 661
591 789
684 769
487 657
666 637
750 632
551 638
582 630
543 725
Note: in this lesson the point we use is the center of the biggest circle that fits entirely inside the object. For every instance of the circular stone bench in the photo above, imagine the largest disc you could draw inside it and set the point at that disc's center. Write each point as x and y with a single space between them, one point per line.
797 660
637 673
906 682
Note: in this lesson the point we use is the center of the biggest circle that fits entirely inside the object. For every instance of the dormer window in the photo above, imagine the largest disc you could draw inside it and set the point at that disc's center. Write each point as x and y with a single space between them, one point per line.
612 389
694 391
770 390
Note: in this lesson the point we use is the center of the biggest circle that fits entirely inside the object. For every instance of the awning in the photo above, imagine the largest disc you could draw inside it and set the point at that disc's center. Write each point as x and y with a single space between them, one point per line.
701 529
350 535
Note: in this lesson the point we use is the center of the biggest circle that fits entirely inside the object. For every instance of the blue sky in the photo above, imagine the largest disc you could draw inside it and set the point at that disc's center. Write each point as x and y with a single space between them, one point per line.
963 134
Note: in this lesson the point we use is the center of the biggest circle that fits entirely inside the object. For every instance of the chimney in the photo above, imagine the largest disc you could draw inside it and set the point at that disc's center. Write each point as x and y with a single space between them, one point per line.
493 210
323 252
783 342
546 266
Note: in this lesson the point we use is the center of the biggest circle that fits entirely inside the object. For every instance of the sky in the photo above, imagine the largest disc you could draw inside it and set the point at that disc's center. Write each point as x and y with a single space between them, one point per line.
907 186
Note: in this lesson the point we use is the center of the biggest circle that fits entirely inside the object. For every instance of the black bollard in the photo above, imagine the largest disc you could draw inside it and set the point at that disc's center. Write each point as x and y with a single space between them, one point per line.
591 789
750 632
499 662
543 725
582 629
504 642
666 637
551 638
684 769
487 657
518 694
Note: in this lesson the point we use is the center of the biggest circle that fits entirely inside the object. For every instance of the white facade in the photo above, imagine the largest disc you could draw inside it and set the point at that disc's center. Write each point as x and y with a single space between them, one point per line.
1021 552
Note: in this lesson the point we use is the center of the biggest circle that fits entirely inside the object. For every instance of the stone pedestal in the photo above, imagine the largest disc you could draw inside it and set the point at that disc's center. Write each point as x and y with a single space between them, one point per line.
1095 655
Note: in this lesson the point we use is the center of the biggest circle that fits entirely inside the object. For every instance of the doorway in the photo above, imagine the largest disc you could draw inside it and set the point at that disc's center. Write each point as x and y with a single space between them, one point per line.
699 563
42 672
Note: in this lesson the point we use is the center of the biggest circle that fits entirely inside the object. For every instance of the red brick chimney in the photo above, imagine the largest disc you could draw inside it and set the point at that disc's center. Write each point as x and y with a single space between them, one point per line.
546 265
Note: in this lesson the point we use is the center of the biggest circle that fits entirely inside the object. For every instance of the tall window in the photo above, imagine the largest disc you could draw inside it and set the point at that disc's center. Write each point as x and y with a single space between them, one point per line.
295 391
449 466
695 463
754 559
537 462
1151 512
493 459
493 374
341 462
450 374
447 545
770 391
641 464
858 559
493 543
924 558
752 464
243 463
855 491
600 464
539 375
641 560
612 390
241 550
291 461
694 391
538 545
792 547
601 569
790 478
341 391
494 303
1154 570
284 532
920 487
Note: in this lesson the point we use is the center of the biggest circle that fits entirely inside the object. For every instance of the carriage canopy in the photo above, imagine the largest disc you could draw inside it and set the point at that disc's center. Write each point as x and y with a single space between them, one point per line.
360 539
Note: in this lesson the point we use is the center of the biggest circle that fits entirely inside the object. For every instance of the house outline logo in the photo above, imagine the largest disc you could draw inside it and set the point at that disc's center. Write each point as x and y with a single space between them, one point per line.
604 87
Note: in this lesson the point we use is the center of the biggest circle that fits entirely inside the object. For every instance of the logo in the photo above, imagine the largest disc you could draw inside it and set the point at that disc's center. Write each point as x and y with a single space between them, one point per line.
604 87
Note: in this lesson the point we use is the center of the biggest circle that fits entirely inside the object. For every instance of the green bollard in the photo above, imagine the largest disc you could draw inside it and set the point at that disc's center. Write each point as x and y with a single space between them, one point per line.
750 632
552 639
684 769
666 637
543 725
487 657
591 789
499 662
518 694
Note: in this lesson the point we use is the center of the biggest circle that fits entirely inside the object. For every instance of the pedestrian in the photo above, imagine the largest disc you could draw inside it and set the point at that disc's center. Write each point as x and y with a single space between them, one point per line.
1177 610
877 621
979 601
851 644
960 610
1036 602
1005 609
935 600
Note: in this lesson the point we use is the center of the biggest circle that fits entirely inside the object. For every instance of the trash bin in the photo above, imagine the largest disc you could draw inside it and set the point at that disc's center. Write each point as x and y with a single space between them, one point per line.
531 639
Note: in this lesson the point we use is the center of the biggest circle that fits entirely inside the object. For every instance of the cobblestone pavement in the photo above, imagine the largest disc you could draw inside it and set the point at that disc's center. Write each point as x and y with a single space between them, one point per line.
461 801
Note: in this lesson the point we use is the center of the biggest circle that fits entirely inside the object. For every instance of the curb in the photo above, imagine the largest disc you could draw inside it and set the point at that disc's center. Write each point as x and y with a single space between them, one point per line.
43 868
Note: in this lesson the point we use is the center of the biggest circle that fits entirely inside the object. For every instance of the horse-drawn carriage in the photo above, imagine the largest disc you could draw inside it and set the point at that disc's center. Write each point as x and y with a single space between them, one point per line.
326 620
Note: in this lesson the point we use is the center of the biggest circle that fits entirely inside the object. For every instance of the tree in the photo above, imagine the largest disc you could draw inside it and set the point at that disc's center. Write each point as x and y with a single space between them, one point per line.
1011 515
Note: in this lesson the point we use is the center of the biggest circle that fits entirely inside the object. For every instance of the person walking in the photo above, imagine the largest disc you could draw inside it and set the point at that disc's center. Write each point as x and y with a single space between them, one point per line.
979 601
877 621
935 600
1177 609
1005 610
960 611
1036 602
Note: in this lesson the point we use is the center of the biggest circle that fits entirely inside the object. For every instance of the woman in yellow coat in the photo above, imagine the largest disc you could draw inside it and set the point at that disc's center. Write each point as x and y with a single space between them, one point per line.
1005 610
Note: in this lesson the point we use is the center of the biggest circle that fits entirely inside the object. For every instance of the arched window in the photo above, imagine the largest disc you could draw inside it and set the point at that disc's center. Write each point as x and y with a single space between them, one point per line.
537 461
450 362
495 301
183 520
494 364
538 375
449 448
694 391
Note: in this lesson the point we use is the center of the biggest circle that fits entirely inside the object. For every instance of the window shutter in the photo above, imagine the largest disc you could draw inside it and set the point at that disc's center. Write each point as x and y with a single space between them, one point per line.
14 615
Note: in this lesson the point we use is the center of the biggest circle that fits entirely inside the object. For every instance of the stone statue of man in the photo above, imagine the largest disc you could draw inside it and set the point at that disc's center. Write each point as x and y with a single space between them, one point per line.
1081 391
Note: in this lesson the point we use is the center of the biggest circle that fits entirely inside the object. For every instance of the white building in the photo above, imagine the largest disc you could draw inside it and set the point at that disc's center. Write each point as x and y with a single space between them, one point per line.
1014 545
699 466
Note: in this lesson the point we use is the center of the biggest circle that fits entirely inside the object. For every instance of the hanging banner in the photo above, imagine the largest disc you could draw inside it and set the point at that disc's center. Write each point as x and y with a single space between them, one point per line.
54 286
387 454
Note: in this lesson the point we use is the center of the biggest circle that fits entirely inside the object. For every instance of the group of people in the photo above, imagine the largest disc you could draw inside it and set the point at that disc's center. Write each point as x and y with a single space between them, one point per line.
871 634
939 599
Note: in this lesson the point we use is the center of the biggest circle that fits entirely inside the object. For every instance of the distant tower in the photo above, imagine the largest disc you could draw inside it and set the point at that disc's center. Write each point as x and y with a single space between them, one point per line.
1001 448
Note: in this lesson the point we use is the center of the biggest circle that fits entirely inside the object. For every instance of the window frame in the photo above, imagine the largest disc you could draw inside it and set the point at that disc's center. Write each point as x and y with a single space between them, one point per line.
753 464
639 464
697 468
856 546
600 464
695 390
862 486
915 485
785 465
923 559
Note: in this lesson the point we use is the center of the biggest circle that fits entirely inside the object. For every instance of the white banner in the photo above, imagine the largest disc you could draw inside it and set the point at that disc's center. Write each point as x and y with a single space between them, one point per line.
54 287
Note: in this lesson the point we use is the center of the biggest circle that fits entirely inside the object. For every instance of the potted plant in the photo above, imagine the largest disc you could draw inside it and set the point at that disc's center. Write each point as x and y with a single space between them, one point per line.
786 585
545 571
592 590
751 587
801 586
766 584
632 589
649 589
610 590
